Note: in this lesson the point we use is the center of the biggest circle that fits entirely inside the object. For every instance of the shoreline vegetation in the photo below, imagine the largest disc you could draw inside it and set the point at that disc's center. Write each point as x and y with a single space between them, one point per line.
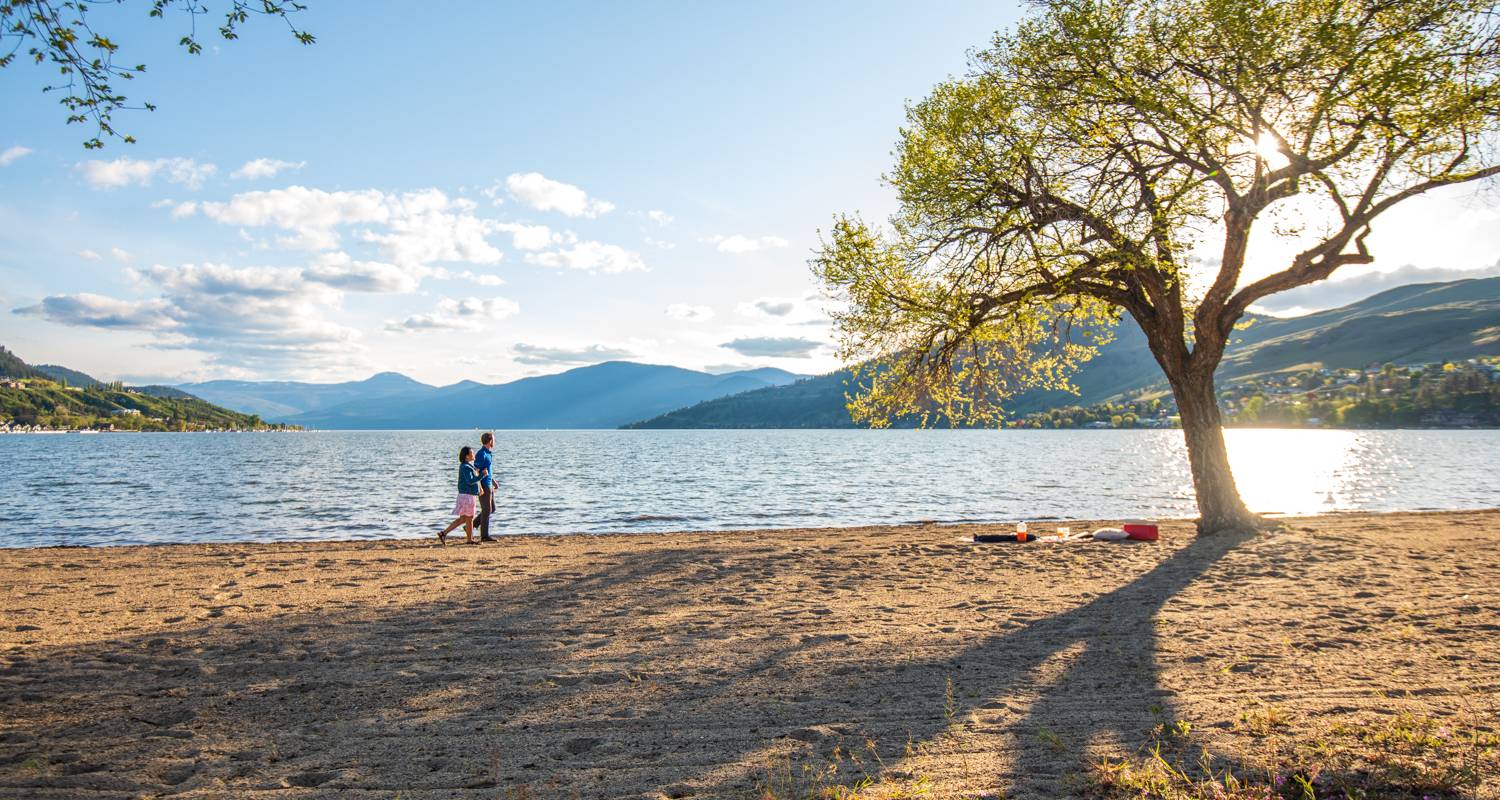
1348 652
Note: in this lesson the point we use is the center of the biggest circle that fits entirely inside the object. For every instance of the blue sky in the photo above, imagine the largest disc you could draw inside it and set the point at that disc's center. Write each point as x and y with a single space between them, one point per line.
485 191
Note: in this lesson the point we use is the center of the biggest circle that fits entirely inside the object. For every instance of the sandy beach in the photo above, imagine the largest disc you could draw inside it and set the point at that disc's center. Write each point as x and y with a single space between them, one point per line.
723 664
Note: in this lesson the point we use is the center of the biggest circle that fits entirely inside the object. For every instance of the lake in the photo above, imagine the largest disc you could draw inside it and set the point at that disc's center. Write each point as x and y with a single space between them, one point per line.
72 489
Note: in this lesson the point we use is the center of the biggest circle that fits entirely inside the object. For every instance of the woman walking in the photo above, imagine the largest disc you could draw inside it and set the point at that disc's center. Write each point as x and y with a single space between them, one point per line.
468 498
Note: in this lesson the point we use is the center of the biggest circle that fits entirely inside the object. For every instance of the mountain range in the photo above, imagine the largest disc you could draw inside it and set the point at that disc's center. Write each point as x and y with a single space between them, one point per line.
1412 324
606 395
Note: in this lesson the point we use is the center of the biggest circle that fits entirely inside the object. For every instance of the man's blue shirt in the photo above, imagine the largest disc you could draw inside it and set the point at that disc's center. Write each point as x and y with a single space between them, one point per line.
484 462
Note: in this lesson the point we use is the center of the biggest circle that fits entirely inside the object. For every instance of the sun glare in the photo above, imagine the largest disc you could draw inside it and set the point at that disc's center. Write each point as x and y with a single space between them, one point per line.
1269 151
1295 471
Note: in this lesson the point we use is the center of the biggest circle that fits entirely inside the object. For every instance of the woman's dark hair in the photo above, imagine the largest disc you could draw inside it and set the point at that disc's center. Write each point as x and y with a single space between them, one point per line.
464 453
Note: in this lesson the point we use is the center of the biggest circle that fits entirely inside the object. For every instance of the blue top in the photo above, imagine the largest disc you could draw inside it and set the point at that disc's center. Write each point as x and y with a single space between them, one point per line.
468 479
484 462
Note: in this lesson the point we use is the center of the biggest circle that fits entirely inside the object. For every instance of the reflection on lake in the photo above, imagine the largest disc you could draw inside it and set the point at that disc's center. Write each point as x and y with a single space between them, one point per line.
135 488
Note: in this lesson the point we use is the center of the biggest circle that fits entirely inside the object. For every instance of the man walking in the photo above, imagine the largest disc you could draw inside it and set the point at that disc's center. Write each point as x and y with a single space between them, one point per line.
484 464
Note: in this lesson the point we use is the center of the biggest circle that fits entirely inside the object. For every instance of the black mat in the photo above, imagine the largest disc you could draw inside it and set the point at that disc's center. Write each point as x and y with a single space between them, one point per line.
999 538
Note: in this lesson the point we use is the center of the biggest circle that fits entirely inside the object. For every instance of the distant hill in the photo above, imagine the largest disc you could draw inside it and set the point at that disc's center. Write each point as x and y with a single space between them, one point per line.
1411 324
43 400
279 400
599 396
11 366
816 402
72 376
168 392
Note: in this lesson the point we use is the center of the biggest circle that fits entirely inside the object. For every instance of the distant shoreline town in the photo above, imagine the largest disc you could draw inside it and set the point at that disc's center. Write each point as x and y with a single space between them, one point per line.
1447 394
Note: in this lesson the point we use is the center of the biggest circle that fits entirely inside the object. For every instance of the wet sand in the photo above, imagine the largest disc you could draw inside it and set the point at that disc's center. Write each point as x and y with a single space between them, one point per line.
709 664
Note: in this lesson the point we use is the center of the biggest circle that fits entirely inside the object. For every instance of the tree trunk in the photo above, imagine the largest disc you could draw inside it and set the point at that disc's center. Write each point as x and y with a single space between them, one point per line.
1219 504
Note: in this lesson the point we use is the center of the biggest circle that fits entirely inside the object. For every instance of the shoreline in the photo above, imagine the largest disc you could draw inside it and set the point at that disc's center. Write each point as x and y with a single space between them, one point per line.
695 664
963 528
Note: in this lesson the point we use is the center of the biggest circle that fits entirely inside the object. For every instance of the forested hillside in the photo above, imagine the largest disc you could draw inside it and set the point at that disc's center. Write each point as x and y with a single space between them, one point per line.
32 400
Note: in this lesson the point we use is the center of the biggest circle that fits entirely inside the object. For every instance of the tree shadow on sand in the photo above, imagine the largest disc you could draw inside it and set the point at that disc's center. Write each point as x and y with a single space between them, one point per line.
614 679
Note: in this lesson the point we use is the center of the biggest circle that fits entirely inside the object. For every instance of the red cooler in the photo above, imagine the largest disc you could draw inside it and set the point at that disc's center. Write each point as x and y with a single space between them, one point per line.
1140 530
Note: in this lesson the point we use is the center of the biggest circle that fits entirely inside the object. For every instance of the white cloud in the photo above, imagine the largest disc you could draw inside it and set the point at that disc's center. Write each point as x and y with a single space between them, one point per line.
659 217
428 226
127 171
481 278
493 193
217 280
182 210
312 239
690 313
241 318
341 271
98 311
590 255
544 194
310 214
738 243
13 154
527 237
537 355
462 315
120 255
773 346
416 228
89 255
660 244
475 308
300 207
768 307
265 168
804 310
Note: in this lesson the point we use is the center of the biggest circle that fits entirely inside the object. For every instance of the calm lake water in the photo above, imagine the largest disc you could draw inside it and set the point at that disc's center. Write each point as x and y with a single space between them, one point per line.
138 488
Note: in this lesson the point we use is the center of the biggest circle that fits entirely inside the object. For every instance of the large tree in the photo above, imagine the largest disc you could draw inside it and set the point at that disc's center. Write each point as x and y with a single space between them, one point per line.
1112 156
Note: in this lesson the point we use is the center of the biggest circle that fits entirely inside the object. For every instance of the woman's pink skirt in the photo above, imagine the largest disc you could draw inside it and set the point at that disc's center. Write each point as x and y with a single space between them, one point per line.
467 505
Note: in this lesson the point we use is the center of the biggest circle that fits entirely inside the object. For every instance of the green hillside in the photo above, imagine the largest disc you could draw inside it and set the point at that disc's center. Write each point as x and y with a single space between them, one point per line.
809 403
71 376
31 400
11 366
1410 325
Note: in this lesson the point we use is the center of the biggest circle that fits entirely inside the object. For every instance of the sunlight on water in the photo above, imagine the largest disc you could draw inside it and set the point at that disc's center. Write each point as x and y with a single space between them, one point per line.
1295 471
1311 471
